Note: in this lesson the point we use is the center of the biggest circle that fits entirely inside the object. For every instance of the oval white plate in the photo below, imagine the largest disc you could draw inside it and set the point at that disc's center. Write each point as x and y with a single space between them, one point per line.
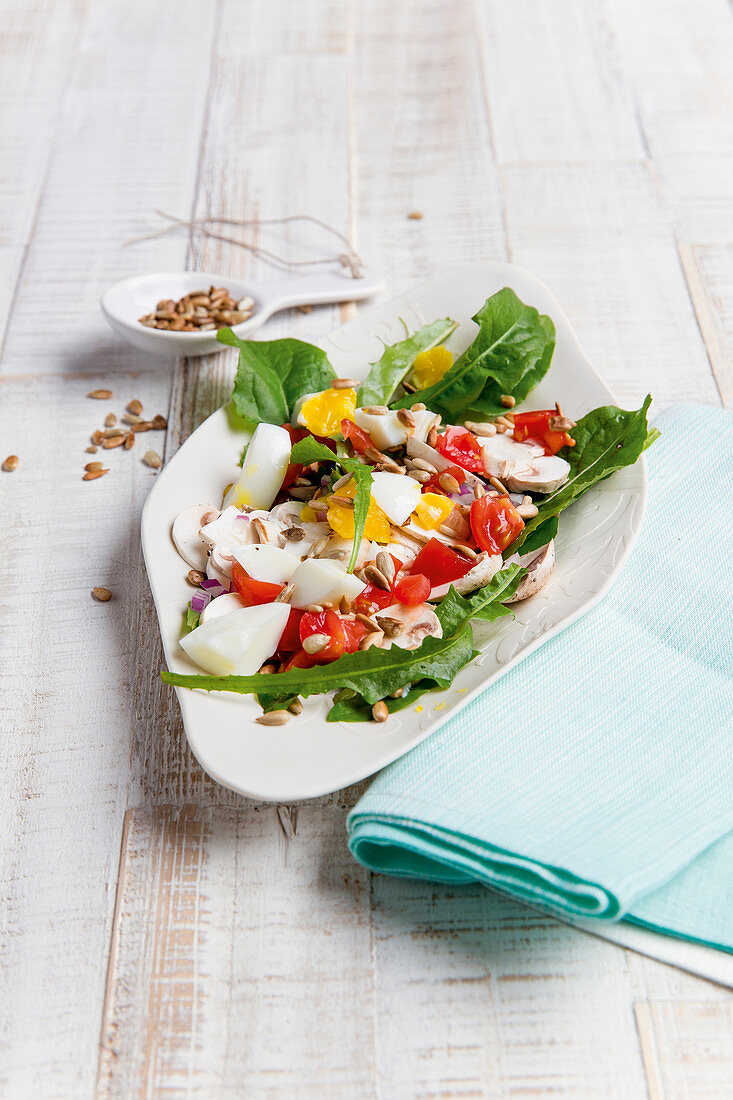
310 756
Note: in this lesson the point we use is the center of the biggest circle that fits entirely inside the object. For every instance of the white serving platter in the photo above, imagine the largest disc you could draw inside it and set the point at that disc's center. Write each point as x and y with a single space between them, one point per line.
310 756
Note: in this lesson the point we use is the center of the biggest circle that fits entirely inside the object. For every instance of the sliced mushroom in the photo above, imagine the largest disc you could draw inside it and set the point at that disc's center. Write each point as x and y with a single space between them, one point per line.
485 567
185 535
416 623
539 565
523 467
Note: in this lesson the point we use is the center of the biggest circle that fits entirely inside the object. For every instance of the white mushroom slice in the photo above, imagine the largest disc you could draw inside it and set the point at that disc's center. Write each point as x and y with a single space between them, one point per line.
396 495
219 567
234 529
523 467
417 623
238 643
539 565
271 564
424 534
416 449
221 605
387 430
265 465
287 516
185 535
479 575
338 549
323 580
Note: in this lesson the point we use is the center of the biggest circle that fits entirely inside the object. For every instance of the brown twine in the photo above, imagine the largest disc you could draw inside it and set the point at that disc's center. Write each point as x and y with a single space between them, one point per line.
349 259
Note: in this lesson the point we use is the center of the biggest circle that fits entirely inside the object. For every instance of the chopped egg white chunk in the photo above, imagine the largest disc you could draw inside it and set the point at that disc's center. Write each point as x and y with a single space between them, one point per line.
222 605
323 580
267 563
265 465
387 430
396 494
237 644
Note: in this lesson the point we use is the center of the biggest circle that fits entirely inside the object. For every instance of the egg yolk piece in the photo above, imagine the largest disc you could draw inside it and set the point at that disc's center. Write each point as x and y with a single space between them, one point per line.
430 366
432 510
322 414
341 517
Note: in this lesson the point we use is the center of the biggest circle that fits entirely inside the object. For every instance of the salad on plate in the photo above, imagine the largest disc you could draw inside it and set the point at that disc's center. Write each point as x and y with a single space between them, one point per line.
371 522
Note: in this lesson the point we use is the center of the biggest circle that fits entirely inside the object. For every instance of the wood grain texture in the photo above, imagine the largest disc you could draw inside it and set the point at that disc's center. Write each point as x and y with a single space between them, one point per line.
221 948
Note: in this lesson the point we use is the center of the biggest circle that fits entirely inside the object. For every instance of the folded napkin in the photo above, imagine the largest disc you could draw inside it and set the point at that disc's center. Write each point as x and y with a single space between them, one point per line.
595 779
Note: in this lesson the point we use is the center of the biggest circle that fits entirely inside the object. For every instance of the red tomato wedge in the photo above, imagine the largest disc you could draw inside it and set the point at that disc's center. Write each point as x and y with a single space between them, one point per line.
290 637
329 624
495 523
412 590
462 447
360 440
439 564
253 592
536 425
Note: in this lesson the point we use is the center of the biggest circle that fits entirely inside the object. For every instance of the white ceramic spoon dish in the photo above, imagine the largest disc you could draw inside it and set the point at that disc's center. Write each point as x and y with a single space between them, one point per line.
310 756
125 302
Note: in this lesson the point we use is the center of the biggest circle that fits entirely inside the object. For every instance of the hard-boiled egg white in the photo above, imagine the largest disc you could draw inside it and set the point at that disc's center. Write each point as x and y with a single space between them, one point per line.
237 644
323 580
396 494
267 563
222 605
387 430
265 465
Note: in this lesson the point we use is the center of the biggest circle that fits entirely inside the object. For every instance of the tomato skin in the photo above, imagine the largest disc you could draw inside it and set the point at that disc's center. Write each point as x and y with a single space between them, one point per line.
439 564
253 592
324 622
290 637
536 425
300 659
355 631
495 523
360 440
413 589
462 447
373 598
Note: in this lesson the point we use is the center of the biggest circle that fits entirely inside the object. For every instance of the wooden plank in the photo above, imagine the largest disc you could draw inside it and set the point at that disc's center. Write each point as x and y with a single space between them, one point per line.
597 236
687 1048
37 45
241 951
709 273
555 88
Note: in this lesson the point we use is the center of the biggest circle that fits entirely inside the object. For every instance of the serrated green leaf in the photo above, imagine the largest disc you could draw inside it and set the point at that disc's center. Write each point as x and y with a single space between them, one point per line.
273 374
396 362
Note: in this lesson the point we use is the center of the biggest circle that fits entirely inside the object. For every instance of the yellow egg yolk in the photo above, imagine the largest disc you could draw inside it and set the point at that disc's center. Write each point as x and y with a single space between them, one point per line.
430 366
341 517
432 510
322 414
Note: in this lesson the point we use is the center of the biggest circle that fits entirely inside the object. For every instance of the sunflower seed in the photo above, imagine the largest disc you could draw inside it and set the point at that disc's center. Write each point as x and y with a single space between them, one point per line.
373 638
379 710
498 486
302 492
101 595
100 395
129 441
376 577
91 450
432 437
508 401
110 420
143 426
296 705
159 423
274 718
371 624
260 530
385 565
152 459
131 418
345 502
11 463
314 608
285 595
421 464
376 410
481 428
97 437
420 475
91 466
315 643
467 551
449 483
345 605
405 417
391 627
344 384
528 511
293 534
418 407
92 475
341 481
114 441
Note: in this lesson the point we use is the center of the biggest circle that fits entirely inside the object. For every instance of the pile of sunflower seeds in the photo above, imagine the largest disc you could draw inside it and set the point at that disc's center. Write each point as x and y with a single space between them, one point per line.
114 434
199 311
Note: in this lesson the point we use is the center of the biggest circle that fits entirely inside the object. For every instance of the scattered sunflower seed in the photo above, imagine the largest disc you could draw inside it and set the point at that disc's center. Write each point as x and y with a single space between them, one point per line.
528 511
91 449
344 384
380 712
91 466
416 216
195 577
135 407
101 595
110 420
129 441
152 459
199 310
376 577
159 423
296 705
274 718
11 463
314 643
508 401
114 441
100 395
92 475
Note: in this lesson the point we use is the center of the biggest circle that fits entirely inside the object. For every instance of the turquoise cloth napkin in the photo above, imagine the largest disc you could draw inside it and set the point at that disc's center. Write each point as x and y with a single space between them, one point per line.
595 779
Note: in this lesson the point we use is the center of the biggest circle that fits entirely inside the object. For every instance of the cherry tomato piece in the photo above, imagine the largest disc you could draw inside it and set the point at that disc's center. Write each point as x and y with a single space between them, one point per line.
462 447
413 589
300 659
360 440
290 637
433 484
355 631
329 624
537 425
253 592
439 563
373 598
495 523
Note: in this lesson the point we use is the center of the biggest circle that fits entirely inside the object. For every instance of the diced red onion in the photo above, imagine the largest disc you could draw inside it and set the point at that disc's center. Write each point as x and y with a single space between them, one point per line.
213 587
200 601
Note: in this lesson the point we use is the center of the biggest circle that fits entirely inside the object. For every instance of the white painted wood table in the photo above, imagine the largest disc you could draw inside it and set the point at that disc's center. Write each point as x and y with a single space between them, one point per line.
161 936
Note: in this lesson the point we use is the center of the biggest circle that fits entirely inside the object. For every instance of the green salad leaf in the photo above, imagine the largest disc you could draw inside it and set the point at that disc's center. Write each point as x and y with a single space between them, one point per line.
510 355
273 374
454 610
539 537
357 709
310 450
606 440
373 673
397 359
